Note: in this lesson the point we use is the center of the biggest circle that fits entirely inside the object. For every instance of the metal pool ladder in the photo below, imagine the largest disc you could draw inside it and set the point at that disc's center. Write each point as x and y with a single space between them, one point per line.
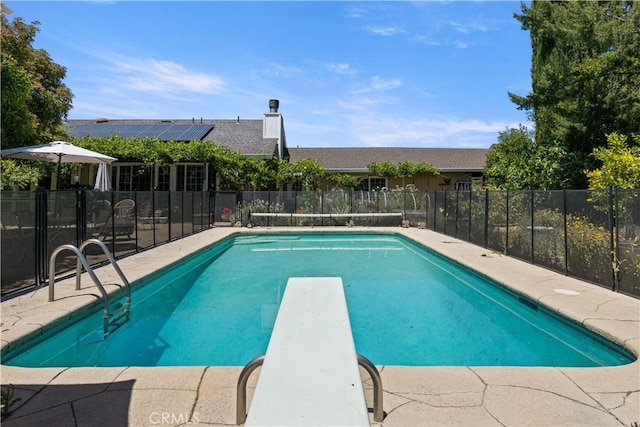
256 362
110 320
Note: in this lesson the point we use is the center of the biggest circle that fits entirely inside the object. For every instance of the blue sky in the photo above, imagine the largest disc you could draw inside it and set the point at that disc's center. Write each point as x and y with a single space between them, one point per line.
347 74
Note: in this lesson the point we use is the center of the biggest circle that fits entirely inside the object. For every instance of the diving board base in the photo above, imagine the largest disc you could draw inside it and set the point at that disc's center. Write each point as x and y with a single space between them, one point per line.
310 375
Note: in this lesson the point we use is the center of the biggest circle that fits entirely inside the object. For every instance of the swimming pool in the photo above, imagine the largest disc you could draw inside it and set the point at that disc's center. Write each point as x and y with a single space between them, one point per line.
408 306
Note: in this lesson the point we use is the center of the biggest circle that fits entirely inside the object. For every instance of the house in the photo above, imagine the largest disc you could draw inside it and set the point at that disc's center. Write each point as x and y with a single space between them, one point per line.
459 167
259 138
265 138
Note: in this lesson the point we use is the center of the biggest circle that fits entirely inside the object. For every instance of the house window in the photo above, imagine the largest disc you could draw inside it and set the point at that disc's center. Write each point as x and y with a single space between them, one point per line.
134 178
372 183
164 178
190 178
463 185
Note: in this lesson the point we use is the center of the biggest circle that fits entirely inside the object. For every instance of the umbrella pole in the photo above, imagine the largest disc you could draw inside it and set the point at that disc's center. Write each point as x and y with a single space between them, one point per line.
58 172
57 183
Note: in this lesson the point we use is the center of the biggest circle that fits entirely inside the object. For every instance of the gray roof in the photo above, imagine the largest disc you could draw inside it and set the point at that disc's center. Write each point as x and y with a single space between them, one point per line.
244 136
356 159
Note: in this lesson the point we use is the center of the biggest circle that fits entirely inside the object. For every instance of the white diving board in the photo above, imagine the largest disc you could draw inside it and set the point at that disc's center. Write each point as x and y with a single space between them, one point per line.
310 375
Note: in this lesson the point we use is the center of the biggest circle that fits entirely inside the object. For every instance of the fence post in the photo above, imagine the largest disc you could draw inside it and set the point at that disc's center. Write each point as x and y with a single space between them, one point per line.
470 216
182 213
426 209
404 202
486 217
80 216
612 229
211 203
435 209
351 201
532 230
321 207
153 214
169 214
201 225
41 237
269 208
455 228
506 241
444 231
617 238
566 239
295 206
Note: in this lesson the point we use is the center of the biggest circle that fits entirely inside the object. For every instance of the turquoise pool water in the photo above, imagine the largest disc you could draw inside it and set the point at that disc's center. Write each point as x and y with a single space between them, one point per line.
407 305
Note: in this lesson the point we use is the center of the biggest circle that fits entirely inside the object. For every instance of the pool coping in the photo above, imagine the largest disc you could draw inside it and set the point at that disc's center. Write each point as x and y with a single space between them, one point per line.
413 395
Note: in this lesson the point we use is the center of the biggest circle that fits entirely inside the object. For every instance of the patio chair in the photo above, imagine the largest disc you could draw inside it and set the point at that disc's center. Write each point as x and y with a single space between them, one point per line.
125 208
118 222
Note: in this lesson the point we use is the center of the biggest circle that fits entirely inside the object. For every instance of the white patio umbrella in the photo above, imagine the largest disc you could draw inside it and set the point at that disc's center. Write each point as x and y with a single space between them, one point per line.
103 180
56 152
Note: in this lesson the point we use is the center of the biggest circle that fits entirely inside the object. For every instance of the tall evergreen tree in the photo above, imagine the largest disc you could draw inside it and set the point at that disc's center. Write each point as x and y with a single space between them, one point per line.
585 74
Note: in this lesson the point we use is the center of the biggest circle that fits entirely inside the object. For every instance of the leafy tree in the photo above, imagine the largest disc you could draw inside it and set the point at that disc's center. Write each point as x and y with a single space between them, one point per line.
307 171
14 175
518 162
401 170
585 75
345 180
258 173
34 99
620 163
227 163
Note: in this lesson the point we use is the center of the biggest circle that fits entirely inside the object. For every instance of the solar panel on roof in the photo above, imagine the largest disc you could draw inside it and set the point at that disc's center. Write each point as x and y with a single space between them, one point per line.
80 128
195 132
135 128
128 134
163 131
147 133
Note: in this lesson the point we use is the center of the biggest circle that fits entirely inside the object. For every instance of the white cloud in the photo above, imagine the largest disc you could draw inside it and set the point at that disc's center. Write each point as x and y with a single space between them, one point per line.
355 12
468 28
343 69
119 86
381 131
116 108
427 40
385 31
279 70
378 84
459 44
164 78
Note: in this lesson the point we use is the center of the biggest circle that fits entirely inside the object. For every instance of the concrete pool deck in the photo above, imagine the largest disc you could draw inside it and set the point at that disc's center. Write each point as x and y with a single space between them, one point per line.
413 396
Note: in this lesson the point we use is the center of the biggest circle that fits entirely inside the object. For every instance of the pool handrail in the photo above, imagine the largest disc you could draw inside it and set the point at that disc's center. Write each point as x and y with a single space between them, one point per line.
378 410
113 262
92 274
241 388
256 362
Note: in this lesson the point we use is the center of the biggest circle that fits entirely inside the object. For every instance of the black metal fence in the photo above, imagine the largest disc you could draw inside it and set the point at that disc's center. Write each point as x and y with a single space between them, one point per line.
34 223
593 235
589 234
